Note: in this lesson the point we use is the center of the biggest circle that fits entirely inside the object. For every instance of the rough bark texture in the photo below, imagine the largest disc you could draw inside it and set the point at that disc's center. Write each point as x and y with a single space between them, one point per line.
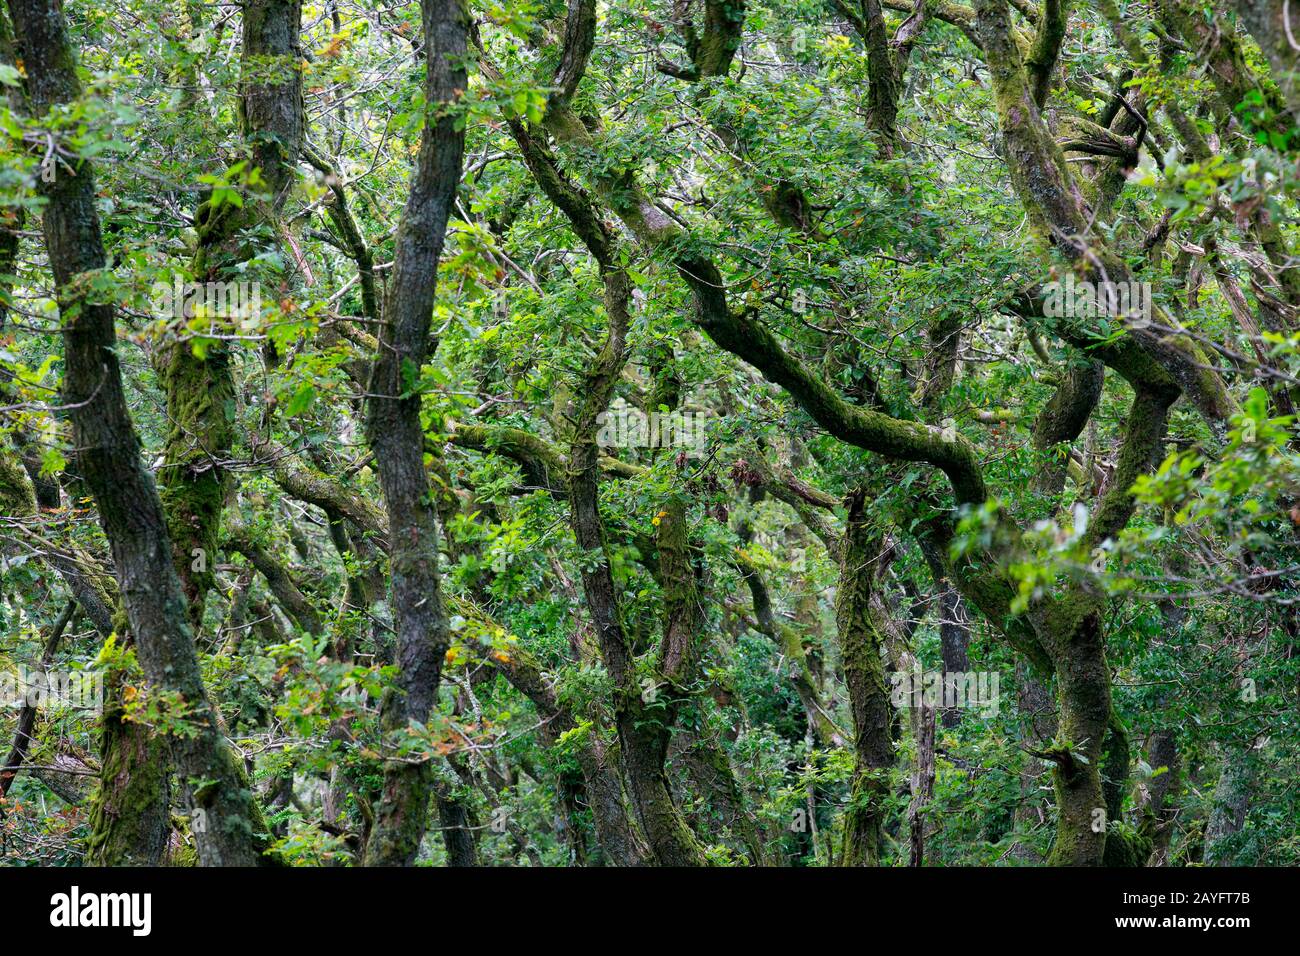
109 456
1159 804
396 434
922 783
200 390
864 674
1231 802
199 383
954 624
643 716
130 817
457 831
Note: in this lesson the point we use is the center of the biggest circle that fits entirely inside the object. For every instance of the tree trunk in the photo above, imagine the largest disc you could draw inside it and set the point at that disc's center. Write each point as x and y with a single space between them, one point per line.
397 437
1074 634
1159 806
954 627
864 673
130 815
1038 720
200 394
1231 802
922 782
457 832
109 458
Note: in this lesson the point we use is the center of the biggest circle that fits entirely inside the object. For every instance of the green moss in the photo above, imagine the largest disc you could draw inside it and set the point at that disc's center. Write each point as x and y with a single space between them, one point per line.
1115 767
200 406
1125 848
401 816
129 820
17 497
864 673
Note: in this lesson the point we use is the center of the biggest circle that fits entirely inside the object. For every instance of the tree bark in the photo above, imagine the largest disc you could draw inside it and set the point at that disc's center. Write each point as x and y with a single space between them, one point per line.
864 674
396 435
109 455
1231 802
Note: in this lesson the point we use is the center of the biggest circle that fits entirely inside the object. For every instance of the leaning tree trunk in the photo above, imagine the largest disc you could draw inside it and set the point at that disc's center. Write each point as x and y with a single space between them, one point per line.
397 437
132 803
109 458
141 831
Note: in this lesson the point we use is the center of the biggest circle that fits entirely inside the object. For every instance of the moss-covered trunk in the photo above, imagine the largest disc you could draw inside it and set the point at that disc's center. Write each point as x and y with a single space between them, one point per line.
129 816
109 459
1074 635
200 391
864 673
602 772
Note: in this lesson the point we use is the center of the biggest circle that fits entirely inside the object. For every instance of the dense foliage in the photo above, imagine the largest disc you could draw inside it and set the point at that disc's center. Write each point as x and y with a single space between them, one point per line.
681 432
